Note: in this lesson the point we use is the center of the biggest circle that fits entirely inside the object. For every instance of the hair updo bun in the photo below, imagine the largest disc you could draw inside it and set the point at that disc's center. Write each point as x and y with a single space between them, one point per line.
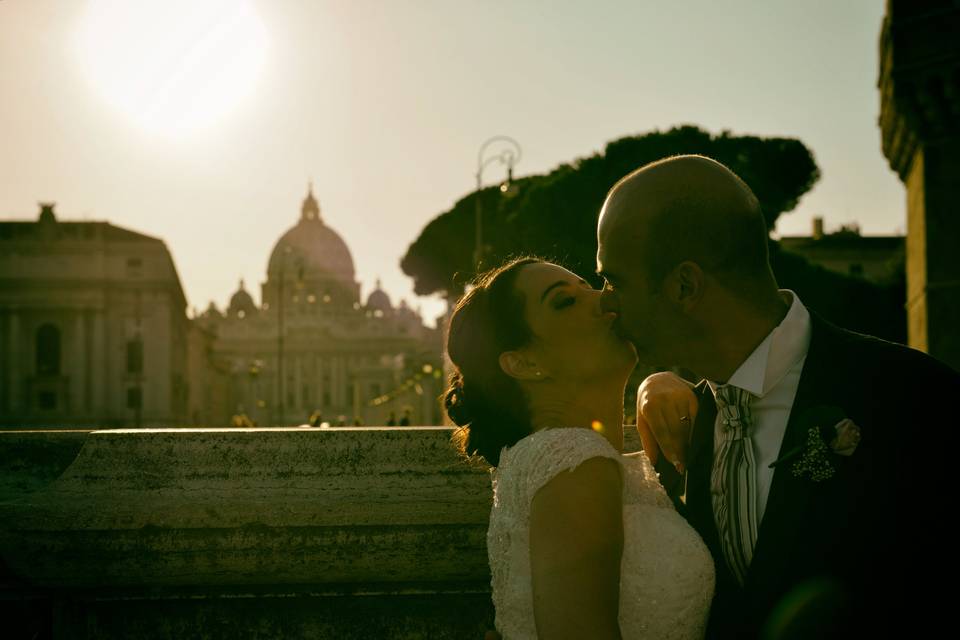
489 406
455 402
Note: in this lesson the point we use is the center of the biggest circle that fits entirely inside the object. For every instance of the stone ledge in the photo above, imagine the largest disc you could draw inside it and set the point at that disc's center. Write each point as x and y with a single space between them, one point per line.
221 507
33 459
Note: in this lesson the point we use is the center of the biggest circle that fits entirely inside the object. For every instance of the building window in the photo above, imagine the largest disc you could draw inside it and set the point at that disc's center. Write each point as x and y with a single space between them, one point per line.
134 267
48 350
135 356
47 400
134 398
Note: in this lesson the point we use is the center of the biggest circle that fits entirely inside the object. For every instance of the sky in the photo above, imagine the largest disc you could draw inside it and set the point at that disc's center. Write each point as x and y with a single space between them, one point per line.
202 122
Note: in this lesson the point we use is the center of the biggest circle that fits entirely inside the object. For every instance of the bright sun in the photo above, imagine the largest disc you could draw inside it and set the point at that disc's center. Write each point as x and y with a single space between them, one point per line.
173 66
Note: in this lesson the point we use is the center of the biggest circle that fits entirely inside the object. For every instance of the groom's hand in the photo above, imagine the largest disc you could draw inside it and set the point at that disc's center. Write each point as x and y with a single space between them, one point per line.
666 411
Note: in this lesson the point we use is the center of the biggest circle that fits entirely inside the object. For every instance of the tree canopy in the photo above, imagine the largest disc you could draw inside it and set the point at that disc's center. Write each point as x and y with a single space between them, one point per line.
555 215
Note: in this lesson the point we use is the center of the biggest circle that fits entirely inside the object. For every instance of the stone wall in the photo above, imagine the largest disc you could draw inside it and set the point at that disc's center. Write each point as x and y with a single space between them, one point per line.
919 84
243 533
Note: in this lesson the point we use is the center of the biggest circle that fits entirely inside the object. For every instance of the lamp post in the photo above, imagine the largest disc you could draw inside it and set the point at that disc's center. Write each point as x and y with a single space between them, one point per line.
508 155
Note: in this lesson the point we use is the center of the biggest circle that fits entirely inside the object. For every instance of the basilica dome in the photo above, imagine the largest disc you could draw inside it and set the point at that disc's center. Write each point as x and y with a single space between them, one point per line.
311 250
241 301
379 300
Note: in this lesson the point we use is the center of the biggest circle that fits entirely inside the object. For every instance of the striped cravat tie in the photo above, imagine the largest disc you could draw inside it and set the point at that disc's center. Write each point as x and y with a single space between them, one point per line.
733 482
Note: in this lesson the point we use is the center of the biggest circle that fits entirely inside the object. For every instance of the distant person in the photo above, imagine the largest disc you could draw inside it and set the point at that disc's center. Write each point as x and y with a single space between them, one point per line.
392 419
242 421
407 418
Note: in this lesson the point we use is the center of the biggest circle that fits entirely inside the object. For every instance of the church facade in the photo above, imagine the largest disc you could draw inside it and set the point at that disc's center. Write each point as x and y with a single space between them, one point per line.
312 347
94 333
93 326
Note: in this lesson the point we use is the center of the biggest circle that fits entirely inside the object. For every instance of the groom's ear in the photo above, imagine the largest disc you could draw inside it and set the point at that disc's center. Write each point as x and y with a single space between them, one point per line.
517 365
685 285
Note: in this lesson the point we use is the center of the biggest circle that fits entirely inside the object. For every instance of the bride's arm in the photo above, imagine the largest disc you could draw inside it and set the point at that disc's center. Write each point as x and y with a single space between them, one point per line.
576 541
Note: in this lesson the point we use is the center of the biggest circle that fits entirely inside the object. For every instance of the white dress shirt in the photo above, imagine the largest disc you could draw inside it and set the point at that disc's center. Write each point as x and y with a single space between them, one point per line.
771 373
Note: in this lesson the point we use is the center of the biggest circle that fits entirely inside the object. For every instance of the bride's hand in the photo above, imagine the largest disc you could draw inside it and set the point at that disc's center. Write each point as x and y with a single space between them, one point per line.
666 411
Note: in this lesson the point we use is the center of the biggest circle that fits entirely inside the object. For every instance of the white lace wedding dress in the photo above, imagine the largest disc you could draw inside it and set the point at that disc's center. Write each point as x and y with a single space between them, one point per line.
666 572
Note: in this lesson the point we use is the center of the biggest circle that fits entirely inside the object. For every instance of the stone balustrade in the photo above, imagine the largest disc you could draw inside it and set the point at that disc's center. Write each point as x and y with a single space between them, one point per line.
248 533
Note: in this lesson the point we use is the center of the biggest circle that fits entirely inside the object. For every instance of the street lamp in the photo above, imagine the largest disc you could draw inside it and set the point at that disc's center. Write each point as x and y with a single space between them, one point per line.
508 155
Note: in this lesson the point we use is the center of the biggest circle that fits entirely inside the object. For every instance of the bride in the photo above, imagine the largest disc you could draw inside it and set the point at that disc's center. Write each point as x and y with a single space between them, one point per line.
583 541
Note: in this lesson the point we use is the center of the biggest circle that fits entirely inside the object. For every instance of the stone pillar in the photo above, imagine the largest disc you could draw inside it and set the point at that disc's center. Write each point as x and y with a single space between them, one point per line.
77 382
4 366
298 384
14 376
98 361
920 125
355 400
318 369
88 362
335 381
342 387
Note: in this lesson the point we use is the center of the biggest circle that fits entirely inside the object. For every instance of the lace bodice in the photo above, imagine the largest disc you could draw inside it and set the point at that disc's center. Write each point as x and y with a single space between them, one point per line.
666 572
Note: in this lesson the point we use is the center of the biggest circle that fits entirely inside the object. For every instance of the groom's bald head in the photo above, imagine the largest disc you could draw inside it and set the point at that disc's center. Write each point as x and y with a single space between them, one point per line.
686 208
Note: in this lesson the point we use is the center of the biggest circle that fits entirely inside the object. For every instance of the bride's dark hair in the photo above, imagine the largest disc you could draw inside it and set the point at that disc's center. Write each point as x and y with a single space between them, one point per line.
488 405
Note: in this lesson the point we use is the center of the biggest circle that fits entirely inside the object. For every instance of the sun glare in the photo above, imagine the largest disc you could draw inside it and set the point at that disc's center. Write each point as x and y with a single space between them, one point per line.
172 66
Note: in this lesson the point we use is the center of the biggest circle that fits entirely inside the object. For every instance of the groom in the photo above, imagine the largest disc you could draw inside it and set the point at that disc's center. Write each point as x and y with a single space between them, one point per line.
808 463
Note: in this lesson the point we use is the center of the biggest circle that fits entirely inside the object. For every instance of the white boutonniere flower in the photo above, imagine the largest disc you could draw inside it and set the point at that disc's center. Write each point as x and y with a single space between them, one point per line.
846 439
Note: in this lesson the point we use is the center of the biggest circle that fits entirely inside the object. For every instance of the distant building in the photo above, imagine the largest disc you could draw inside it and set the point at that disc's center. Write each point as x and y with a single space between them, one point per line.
338 355
208 400
874 258
93 329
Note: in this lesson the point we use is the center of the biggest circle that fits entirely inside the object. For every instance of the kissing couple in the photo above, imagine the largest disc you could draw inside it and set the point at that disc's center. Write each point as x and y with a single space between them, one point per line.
774 499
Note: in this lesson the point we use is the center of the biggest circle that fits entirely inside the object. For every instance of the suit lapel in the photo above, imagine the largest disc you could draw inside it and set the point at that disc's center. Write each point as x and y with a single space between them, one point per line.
789 496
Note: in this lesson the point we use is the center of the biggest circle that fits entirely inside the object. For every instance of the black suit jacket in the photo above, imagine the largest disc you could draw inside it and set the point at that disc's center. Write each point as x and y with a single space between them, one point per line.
851 554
